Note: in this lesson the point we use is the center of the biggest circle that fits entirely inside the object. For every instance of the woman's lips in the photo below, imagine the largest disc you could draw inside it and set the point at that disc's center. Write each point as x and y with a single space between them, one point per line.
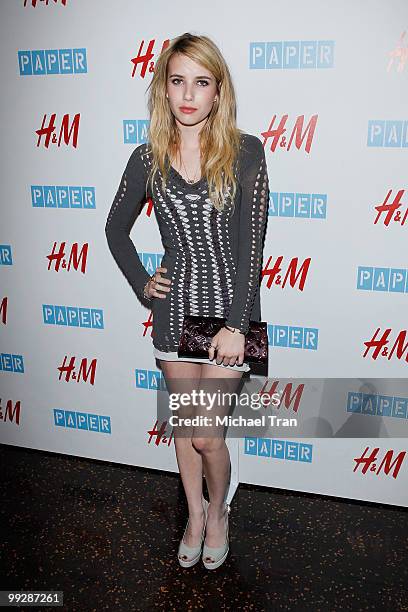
187 110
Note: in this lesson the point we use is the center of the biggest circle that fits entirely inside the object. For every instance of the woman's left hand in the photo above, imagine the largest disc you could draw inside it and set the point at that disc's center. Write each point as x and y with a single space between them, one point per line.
230 347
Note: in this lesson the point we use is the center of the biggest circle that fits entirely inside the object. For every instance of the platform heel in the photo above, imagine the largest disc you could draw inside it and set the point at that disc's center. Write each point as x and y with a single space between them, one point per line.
190 555
219 553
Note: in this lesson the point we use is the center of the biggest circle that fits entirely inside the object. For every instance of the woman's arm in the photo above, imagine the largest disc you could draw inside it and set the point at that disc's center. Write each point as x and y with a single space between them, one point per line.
252 222
125 208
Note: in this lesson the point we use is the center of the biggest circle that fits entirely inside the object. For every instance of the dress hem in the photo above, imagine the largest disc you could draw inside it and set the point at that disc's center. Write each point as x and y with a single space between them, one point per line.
245 367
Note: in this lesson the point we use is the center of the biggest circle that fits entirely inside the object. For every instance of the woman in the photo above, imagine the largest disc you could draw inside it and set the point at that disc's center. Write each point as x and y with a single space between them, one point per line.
209 185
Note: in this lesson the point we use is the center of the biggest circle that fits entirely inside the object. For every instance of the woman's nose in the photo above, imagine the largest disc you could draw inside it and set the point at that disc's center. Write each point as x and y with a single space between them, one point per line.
187 94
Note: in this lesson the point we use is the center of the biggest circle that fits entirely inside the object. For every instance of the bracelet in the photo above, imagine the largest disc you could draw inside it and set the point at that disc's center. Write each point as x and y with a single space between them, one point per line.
144 288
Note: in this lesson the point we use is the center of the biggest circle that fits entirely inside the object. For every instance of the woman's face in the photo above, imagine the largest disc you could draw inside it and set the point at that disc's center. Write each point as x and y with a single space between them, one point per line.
189 85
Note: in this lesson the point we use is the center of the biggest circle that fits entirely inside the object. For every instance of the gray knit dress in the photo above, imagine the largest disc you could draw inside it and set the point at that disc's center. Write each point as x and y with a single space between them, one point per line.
213 258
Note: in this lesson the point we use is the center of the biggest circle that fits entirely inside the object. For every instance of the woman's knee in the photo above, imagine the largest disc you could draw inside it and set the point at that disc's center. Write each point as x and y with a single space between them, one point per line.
207 444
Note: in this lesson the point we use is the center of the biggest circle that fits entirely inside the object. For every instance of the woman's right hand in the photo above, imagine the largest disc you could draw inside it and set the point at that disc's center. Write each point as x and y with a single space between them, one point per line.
156 285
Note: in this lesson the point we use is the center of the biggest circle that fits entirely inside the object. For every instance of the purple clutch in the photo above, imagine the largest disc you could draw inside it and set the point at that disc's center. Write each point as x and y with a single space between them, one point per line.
198 332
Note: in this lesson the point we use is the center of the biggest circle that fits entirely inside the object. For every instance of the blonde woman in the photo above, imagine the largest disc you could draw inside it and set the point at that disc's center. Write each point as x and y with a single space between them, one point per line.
209 184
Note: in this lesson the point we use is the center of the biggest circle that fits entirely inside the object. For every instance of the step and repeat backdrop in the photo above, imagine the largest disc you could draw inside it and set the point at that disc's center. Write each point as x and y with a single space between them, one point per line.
325 89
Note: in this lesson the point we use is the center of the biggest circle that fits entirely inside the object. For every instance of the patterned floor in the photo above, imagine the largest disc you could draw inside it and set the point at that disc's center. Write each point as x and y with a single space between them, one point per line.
107 535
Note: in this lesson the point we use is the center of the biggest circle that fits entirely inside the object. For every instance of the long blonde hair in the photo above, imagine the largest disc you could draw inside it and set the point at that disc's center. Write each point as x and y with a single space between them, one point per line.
220 137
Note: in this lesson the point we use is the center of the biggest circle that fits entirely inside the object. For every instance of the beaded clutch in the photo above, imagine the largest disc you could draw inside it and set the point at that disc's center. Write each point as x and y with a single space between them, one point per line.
198 332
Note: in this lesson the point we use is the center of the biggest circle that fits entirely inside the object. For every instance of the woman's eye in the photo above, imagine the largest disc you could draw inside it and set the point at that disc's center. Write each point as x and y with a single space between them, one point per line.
176 81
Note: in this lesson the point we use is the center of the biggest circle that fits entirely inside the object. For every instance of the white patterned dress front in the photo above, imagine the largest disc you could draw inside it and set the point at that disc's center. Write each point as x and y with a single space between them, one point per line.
213 258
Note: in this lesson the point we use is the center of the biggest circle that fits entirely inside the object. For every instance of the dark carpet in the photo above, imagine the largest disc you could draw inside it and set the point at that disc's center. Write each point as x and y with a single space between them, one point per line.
107 535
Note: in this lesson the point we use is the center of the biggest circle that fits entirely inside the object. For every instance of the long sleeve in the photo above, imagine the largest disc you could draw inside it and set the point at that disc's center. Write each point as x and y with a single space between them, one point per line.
125 208
252 223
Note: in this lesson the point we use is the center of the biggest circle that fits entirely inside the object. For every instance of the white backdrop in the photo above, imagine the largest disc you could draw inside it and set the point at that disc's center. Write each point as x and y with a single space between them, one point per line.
343 66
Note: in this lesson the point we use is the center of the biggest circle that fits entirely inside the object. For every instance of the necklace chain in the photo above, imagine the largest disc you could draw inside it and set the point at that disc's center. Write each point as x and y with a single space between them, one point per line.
189 180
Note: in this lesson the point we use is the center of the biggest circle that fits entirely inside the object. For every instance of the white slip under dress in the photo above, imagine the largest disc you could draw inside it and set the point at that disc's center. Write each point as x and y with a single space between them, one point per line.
172 356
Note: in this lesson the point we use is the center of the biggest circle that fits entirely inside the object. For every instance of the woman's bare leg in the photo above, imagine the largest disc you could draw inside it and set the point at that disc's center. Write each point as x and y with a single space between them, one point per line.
181 377
214 451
